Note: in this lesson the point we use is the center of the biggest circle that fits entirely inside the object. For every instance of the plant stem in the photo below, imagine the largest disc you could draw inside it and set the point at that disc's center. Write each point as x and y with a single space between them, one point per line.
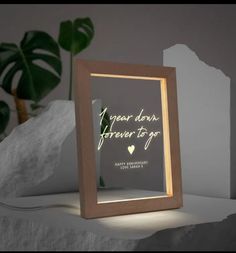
71 75
21 109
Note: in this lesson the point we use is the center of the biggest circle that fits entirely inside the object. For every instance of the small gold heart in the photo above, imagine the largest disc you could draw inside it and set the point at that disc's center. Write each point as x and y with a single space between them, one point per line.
131 149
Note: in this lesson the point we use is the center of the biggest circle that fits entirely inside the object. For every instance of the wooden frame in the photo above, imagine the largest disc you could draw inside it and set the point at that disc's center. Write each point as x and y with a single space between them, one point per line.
86 153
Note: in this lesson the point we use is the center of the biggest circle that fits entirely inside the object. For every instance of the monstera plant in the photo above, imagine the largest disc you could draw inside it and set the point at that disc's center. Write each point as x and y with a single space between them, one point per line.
32 69
37 60
74 37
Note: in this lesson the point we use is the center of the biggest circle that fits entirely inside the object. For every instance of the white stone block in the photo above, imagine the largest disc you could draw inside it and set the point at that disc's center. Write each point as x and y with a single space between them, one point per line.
204 120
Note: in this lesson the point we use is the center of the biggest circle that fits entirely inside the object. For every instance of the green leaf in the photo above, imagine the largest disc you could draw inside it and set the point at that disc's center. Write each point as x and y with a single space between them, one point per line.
39 40
76 36
4 116
52 61
8 78
36 80
7 56
44 81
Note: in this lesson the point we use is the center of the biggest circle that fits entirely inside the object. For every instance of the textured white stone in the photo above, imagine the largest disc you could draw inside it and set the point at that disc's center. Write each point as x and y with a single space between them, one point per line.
65 176
23 235
194 226
19 234
40 156
204 120
31 152
215 236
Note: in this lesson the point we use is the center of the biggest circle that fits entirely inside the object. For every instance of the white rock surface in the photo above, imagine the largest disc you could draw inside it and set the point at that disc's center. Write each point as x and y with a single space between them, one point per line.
197 225
18 234
204 120
40 156
65 176
31 152
23 235
215 236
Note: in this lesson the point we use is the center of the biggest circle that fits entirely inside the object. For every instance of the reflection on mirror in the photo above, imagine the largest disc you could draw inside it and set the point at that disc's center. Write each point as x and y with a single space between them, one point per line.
128 138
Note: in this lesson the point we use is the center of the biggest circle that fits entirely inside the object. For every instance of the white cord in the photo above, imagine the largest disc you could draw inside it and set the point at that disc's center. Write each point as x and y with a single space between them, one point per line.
36 208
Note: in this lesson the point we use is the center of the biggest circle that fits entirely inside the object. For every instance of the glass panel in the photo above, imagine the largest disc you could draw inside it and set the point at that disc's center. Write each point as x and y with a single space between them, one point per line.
128 134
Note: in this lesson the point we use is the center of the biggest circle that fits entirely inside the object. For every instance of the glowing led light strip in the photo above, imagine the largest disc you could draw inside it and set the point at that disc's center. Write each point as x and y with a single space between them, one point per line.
128 77
131 199
166 134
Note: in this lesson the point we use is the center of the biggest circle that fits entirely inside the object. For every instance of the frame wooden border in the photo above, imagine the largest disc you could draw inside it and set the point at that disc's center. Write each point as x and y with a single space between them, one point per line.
85 142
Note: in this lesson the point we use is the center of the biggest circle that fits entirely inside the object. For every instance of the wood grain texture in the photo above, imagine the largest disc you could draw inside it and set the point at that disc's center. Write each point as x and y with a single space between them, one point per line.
85 141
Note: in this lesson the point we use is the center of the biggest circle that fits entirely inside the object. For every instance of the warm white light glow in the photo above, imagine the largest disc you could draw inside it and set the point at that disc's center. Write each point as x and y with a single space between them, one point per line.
131 199
127 77
166 136
131 149
140 132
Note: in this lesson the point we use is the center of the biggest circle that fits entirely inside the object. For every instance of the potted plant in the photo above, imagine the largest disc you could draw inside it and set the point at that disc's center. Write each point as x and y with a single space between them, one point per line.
35 80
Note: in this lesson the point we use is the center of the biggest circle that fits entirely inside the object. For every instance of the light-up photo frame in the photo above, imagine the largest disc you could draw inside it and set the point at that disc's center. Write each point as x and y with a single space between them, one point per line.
127 138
